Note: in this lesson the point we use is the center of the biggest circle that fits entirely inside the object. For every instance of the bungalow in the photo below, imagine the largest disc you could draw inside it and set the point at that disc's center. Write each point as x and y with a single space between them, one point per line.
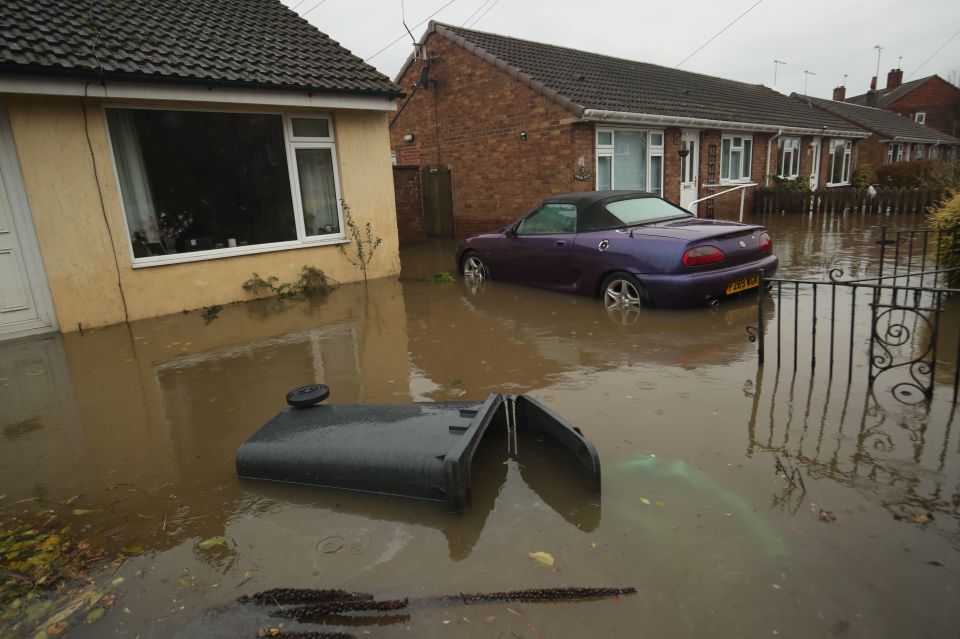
931 100
514 121
893 138
154 155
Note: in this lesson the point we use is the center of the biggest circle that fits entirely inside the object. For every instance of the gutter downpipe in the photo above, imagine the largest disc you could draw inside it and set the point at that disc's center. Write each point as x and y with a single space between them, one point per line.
766 175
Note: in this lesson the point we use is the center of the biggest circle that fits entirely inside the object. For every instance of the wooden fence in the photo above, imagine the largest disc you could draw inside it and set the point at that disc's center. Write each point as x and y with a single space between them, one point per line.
846 200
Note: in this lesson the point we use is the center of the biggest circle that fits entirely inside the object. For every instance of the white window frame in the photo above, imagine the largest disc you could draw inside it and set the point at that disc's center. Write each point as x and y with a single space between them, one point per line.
607 151
890 155
935 152
920 117
846 160
918 152
745 163
783 152
291 143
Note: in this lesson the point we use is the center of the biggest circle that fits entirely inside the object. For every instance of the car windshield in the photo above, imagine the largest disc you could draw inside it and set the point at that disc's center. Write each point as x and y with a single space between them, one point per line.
642 210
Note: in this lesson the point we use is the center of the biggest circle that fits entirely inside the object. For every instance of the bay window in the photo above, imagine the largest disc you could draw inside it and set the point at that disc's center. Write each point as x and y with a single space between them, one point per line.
736 154
205 184
630 159
788 157
839 162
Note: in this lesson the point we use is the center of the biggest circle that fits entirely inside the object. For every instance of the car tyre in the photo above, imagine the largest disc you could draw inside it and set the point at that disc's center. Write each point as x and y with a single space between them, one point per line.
474 267
624 295
308 395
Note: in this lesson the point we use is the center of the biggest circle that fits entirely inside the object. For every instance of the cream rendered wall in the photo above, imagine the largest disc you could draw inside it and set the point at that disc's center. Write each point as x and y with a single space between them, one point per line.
83 269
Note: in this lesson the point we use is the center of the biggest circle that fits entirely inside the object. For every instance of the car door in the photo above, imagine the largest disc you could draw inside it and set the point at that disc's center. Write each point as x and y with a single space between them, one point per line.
535 251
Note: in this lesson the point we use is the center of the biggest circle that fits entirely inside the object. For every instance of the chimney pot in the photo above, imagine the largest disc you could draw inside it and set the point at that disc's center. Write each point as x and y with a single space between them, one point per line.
839 94
894 78
873 83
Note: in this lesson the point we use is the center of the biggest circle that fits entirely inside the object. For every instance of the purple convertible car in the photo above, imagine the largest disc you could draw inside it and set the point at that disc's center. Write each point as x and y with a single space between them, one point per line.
630 248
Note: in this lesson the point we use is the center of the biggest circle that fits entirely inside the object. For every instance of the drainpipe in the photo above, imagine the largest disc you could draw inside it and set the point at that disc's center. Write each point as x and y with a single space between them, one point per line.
766 175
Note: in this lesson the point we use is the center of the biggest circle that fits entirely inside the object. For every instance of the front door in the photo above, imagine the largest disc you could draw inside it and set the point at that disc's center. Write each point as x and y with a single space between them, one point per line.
815 166
23 302
689 170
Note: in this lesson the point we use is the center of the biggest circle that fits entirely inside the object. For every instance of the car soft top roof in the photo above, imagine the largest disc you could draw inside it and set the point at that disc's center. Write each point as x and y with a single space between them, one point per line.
583 200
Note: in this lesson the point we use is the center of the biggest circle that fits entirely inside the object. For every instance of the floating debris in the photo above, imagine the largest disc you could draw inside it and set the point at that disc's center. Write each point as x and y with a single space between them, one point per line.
287 596
320 610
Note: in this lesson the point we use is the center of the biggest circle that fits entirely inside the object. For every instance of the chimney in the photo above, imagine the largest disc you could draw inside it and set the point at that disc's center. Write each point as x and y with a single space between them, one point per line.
894 78
872 93
840 94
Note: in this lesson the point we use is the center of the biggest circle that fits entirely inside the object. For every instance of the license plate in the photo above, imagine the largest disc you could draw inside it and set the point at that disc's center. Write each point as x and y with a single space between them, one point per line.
743 284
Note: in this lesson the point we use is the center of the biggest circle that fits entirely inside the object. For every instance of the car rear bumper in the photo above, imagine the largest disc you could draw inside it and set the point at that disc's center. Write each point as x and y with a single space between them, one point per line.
695 289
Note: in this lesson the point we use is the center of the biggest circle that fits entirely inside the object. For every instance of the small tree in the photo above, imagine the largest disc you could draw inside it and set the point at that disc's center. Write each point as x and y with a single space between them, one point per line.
364 245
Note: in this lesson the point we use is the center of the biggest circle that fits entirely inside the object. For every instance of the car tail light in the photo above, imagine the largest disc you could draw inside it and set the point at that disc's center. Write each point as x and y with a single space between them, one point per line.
703 255
766 244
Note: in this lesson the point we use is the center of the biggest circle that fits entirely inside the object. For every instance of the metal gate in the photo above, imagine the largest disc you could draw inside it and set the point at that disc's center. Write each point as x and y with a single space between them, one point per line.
893 320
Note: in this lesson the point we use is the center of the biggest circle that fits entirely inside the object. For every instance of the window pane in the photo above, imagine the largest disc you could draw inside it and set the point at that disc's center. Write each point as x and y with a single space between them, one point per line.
605 138
603 173
630 160
317 191
311 128
656 174
725 160
550 219
656 139
193 180
735 162
643 209
747 157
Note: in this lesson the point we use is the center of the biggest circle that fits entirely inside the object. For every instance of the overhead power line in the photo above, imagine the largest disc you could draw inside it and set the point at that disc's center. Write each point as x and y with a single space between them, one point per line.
735 20
949 40
304 14
294 7
404 34
470 17
480 17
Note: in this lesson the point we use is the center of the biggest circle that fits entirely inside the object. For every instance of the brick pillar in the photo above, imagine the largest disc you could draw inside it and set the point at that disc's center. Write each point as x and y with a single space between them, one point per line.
894 78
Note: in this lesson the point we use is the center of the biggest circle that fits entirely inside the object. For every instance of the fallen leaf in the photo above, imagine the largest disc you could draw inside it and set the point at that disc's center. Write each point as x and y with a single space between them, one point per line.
728 514
207 544
645 501
117 581
186 582
83 511
920 518
94 614
827 516
543 558
659 503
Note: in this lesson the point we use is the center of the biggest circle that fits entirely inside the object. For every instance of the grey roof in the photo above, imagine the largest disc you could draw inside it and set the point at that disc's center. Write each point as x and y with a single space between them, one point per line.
583 80
886 123
885 96
250 43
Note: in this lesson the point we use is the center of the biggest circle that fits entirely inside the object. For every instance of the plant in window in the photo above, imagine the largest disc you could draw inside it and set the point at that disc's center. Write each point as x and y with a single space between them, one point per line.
364 244
171 226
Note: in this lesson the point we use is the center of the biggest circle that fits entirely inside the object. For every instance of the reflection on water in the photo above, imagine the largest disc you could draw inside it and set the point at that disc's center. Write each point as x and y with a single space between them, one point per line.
140 425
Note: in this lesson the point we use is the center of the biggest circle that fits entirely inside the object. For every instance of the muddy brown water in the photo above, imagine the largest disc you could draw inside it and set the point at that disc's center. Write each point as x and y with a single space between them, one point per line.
140 424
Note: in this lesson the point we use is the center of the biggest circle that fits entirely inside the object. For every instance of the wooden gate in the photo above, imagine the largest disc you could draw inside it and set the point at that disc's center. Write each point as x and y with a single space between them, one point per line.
437 202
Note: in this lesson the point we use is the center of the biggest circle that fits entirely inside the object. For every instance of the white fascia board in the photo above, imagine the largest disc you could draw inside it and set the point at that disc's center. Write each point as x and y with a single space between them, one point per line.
647 119
157 92
910 140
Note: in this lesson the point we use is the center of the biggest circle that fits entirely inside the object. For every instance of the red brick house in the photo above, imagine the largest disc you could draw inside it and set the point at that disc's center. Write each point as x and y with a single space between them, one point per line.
893 138
515 121
931 100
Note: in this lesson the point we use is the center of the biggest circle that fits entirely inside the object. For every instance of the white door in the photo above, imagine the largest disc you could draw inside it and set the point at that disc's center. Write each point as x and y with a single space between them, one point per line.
815 166
689 170
24 300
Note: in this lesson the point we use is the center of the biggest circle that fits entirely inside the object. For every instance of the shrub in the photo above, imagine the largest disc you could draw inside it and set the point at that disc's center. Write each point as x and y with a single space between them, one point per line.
312 281
947 217
919 174
779 184
861 177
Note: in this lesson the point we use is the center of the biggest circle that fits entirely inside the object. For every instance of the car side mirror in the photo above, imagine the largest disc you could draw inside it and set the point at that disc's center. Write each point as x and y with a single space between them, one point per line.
511 231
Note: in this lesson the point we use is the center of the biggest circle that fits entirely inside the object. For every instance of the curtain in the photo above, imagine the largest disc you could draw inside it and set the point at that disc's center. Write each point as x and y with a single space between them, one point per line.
630 160
317 191
131 172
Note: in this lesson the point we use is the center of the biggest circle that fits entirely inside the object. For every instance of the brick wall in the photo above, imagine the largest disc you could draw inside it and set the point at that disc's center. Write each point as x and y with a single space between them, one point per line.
939 99
872 152
473 122
409 198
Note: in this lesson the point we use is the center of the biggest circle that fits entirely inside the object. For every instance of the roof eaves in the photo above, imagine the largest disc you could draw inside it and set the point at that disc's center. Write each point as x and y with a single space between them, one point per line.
523 78
622 117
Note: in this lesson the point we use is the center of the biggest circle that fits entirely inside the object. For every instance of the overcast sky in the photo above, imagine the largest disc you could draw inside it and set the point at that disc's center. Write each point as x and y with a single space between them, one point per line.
827 37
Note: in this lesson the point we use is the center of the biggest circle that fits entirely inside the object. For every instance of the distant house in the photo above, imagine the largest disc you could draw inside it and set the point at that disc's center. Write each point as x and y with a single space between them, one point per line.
893 138
515 121
154 155
931 101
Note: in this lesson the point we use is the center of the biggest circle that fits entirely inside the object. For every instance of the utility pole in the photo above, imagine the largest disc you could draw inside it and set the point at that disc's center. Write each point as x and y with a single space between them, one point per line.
806 76
776 64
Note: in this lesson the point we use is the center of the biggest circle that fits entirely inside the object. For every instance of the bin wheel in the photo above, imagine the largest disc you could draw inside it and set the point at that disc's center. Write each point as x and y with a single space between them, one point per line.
308 395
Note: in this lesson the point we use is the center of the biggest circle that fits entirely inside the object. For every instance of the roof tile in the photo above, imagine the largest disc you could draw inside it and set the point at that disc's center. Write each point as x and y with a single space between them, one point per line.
886 123
255 43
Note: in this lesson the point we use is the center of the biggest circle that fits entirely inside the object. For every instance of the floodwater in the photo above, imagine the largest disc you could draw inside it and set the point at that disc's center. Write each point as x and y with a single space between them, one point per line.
137 427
